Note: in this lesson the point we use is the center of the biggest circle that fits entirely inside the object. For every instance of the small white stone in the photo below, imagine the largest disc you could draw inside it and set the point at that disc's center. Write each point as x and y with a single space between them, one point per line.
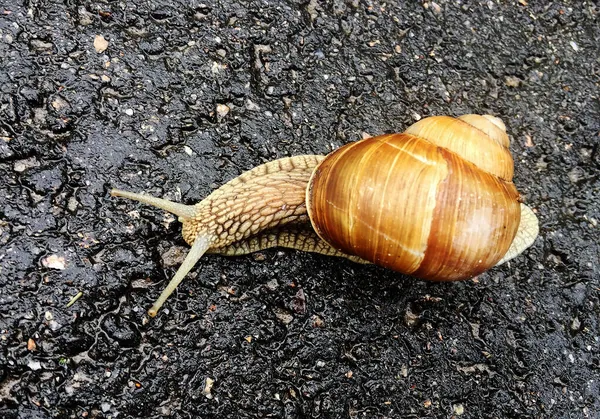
34 365
222 110
129 112
54 262
208 385
100 44
251 106
72 204
459 409
574 46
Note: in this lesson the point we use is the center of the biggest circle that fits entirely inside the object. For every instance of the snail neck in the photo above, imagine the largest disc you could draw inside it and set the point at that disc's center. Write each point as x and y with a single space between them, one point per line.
266 197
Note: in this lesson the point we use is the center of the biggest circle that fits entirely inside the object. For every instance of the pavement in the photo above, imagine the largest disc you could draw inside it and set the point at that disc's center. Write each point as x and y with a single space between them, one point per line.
176 98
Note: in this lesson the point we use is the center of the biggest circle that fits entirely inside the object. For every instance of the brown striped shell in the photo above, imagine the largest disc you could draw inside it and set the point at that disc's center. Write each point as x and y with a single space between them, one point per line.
435 202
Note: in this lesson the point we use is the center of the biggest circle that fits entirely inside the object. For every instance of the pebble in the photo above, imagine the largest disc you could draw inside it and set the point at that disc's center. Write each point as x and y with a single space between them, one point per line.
54 262
251 106
174 256
22 165
34 365
208 385
575 324
283 316
72 204
54 325
574 46
85 18
299 302
222 110
410 318
512 81
272 284
576 175
100 44
59 103
5 151
41 46
216 67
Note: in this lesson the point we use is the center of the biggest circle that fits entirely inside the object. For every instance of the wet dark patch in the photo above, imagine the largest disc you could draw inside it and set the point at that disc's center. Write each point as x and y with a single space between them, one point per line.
295 335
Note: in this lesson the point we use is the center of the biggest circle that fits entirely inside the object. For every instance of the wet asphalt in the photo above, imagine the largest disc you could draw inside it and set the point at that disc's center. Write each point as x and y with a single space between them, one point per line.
176 98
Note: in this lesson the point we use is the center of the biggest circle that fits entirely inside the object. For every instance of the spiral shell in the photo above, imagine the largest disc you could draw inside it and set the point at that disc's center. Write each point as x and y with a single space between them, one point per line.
435 202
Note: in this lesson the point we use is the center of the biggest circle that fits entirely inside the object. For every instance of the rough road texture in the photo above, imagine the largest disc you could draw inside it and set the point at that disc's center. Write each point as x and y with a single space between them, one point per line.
186 96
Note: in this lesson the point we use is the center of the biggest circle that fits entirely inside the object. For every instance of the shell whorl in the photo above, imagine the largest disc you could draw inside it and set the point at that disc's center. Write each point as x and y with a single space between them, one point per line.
435 202
480 139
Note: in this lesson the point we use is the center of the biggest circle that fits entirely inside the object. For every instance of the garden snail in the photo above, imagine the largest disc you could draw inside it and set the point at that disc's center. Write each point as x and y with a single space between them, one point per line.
435 202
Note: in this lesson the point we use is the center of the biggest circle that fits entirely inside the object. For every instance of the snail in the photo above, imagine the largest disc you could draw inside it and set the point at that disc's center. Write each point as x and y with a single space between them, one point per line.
435 202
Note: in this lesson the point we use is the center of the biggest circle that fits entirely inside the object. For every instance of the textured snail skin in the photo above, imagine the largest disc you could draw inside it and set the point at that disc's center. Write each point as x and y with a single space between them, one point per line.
436 202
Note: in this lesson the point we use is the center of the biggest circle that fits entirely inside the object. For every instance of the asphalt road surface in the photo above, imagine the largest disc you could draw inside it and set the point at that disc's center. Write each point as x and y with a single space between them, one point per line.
176 98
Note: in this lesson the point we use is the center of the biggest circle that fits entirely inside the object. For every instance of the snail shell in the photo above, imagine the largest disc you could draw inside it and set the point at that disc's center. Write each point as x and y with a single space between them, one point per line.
436 202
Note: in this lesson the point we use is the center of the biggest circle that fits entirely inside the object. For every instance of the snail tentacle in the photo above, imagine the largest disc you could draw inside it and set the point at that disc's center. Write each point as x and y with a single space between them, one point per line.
181 210
200 246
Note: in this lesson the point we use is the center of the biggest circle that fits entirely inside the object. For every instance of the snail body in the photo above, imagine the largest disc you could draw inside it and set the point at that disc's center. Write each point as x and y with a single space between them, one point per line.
435 202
